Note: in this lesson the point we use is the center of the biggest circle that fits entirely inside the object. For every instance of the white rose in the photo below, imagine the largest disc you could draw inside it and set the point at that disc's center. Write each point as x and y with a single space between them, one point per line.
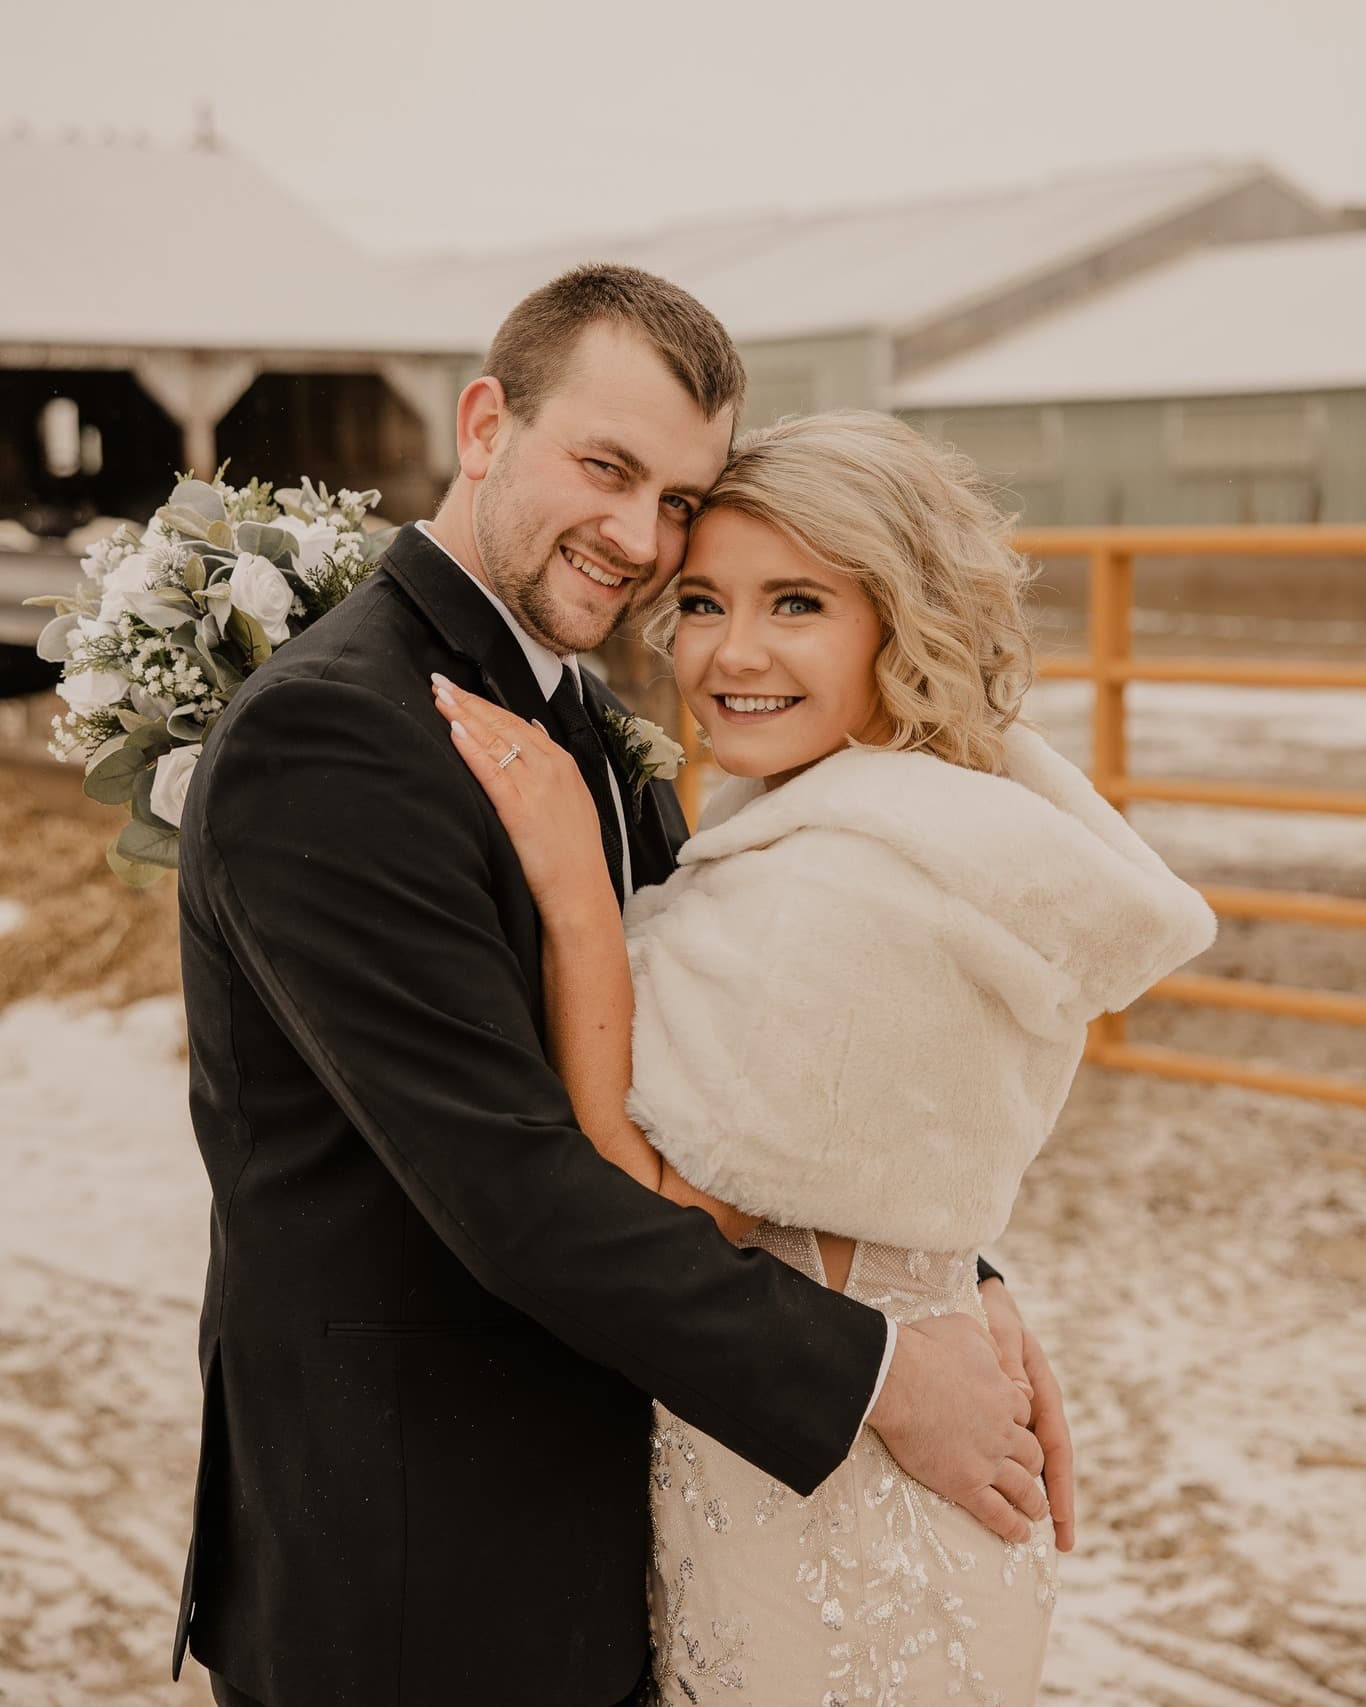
664 757
93 690
316 540
259 590
133 575
171 783
113 606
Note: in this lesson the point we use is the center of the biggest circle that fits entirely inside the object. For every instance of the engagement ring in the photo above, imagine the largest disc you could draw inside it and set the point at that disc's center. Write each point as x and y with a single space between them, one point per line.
513 752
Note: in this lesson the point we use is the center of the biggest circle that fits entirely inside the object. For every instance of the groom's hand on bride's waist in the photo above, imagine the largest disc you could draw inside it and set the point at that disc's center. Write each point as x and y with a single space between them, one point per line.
1022 1358
958 1424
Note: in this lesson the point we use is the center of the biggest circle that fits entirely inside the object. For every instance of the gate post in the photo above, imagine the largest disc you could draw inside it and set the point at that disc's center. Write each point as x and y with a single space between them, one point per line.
1112 590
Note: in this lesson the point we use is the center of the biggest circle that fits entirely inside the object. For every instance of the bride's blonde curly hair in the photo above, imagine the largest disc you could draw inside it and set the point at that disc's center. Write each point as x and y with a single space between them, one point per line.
913 524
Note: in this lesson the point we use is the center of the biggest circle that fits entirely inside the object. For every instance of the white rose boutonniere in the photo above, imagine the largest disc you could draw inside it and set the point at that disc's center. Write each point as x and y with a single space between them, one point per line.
646 751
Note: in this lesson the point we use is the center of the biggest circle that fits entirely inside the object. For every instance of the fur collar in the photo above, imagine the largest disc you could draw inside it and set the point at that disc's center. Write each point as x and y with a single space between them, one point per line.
1036 849
862 998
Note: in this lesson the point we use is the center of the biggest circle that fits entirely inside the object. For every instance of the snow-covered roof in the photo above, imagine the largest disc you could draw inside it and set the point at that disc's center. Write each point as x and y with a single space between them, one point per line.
1246 318
126 243
119 243
895 267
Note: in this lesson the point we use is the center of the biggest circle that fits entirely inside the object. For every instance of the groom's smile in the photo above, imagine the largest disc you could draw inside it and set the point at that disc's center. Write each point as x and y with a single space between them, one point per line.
594 569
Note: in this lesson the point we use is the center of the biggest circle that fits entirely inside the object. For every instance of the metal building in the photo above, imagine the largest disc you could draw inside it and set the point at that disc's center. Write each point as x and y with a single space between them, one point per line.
1228 386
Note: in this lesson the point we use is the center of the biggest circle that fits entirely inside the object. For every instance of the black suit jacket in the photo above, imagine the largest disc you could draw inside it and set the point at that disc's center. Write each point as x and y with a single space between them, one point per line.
433 1314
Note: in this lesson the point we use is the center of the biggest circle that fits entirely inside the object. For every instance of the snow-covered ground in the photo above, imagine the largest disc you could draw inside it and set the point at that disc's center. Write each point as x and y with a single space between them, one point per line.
1193 1258
103 1234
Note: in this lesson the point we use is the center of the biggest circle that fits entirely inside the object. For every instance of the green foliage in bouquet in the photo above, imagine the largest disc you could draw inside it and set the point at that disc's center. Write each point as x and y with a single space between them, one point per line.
169 623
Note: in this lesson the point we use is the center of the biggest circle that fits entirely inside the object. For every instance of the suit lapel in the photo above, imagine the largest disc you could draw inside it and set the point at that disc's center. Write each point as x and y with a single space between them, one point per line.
470 625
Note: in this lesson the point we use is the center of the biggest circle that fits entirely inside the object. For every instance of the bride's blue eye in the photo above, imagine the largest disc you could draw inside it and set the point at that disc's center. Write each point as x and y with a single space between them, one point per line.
691 605
812 603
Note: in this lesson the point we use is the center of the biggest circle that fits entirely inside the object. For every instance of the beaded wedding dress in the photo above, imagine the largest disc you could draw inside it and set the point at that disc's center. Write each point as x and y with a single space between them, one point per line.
872 1589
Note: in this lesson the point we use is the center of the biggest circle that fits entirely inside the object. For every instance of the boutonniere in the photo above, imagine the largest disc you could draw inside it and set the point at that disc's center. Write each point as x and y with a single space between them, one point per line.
644 752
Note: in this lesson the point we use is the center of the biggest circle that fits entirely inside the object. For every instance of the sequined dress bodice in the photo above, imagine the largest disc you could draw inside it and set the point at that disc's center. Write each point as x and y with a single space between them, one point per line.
872 1588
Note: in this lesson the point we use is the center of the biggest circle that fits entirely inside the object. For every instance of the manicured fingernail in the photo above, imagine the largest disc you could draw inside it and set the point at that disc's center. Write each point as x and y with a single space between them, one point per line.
440 682
459 730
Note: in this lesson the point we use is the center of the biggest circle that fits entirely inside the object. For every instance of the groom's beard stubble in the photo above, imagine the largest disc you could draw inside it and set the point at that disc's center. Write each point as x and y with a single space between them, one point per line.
506 535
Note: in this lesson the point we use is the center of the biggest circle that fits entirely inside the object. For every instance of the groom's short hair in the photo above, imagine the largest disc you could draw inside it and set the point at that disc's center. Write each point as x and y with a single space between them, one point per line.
533 348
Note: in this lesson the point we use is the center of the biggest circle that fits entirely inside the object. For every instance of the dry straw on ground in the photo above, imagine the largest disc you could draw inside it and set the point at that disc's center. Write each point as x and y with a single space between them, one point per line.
83 932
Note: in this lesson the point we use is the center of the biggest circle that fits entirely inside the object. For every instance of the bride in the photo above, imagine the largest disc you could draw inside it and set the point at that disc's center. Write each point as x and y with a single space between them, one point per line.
846 1024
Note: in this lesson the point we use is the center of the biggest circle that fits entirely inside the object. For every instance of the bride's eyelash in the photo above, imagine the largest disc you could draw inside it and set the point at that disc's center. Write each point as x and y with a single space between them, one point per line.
802 593
690 601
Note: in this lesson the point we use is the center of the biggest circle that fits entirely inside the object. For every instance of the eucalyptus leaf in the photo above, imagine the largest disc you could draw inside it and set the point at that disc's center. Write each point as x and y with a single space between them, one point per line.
151 741
220 534
148 844
184 724
164 608
52 642
132 721
199 496
52 601
188 523
265 541
250 636
113 745
153 706
206 636
377 543
142 801
112 781
226 676
195 575
135 873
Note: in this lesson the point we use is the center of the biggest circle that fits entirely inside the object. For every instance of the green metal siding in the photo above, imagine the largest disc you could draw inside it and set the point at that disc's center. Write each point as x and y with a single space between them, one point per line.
1114 463
801 376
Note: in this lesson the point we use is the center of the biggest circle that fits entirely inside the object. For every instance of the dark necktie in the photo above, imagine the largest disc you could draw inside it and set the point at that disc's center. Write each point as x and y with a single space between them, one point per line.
593 763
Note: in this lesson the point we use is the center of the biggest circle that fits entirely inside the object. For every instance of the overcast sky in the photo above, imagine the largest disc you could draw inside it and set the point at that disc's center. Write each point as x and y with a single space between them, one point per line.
421 124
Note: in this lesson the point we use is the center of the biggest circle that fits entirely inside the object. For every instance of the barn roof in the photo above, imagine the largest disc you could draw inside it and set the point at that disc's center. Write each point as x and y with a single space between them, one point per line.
896 266
127 243
1237 319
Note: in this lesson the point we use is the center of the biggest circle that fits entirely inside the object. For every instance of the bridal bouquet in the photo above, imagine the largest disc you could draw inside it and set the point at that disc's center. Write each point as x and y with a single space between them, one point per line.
170 621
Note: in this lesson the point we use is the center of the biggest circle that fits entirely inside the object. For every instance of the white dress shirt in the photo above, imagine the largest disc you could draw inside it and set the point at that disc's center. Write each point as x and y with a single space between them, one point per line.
548 668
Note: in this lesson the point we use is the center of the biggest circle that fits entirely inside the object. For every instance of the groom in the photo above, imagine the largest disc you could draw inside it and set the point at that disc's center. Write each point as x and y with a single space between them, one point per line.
434 1316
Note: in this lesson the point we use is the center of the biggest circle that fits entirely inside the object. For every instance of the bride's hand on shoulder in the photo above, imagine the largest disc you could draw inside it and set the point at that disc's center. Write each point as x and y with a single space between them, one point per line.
541 798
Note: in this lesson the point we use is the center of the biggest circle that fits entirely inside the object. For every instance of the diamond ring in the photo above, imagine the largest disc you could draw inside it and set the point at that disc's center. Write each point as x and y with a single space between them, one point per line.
513 752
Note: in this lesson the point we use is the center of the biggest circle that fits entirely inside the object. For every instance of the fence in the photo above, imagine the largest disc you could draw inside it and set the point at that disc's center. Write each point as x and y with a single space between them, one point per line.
1110 667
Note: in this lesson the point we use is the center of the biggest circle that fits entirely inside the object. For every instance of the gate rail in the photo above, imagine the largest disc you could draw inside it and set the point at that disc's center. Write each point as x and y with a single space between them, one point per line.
1110 667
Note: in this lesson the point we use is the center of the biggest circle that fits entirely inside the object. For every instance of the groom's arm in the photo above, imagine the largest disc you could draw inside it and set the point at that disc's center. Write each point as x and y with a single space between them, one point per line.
354 881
